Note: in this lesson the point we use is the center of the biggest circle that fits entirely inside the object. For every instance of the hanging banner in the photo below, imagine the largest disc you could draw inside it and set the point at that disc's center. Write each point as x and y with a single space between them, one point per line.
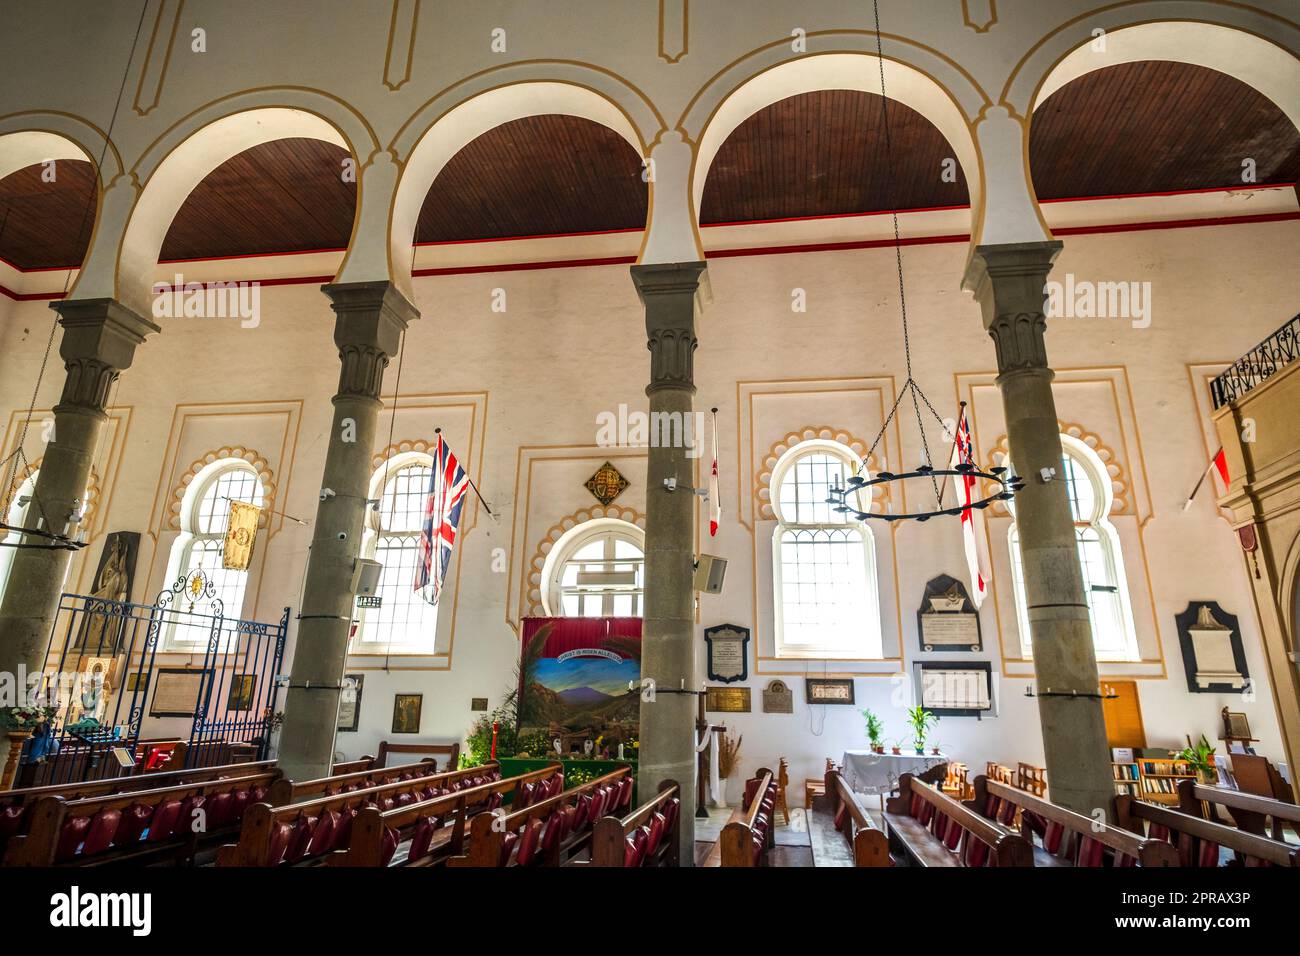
241 535
575 674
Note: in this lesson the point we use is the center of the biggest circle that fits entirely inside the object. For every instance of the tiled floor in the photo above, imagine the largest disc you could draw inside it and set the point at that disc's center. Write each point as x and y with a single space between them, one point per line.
810 839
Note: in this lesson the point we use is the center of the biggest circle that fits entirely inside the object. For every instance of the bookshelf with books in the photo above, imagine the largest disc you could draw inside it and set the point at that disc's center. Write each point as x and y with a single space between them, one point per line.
1127 779
1159 778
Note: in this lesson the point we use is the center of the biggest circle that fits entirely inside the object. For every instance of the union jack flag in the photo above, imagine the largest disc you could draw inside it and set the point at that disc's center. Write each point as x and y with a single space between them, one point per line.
447 486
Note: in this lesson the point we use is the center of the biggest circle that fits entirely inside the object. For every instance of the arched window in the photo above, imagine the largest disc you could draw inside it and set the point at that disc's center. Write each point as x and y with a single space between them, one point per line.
20 512
823 562
596 569
404 621
205 516
1087 485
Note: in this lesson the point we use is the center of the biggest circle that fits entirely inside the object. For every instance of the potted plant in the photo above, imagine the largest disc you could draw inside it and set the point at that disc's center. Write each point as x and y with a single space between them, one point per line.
1200 756
875 729
897 747
921 721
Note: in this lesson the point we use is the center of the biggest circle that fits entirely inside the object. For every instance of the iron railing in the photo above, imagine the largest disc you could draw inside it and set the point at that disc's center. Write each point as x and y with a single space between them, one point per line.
1258 365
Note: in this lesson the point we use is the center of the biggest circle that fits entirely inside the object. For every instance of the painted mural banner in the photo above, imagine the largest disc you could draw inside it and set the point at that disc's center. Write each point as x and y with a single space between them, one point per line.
579 682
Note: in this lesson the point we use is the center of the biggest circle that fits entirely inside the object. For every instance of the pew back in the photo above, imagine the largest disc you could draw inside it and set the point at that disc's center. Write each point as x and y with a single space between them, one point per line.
751 831
1198 841
869 844
1068 837
284 792
450 751
1250 812
615 840
957 835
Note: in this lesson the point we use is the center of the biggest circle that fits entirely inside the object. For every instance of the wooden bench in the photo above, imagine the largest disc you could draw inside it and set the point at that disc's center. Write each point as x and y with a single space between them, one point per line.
868 842
1066 838
366 762
434 831
284 791
1198 841
1031 779
630 840
450 751
139 825
1262 816
931 829
549 831
301 831
750 831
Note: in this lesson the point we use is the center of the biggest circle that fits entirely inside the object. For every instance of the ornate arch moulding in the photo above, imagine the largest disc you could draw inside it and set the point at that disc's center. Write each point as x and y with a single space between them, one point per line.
763 479
31 137
533 595
403 447
138 210
1119 483
255 459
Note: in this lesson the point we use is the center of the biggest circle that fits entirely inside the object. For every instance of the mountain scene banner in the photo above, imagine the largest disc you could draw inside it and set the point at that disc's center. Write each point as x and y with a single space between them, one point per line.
574 677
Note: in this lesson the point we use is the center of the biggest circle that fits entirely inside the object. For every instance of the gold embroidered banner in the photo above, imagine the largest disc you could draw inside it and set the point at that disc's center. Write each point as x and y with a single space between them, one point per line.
241 535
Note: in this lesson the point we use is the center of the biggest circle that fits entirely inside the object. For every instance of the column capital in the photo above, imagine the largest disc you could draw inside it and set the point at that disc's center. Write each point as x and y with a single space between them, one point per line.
1007 281
99 341
668 291
370 318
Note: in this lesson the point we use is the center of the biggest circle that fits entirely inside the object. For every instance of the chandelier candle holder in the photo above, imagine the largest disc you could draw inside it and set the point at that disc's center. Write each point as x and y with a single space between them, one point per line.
1007 485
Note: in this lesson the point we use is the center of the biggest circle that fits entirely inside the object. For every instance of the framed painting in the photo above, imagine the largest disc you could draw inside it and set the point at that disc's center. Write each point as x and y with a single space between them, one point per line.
406 713
829 690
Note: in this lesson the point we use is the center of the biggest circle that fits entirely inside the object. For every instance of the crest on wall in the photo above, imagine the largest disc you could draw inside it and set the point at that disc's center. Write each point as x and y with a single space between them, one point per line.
606 484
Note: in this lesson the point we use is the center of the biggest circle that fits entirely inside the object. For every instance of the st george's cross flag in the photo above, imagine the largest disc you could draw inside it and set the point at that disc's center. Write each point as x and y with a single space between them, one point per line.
963 450
715 498
447 486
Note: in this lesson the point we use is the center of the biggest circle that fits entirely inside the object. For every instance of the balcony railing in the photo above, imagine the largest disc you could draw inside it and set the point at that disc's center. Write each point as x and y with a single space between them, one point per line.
1258 365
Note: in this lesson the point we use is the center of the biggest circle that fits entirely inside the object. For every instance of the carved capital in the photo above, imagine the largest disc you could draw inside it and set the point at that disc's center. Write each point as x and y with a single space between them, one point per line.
99 341
1008 282
370 318
668 292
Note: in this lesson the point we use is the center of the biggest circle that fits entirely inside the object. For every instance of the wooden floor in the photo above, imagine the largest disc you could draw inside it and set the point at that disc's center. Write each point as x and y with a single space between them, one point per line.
810 840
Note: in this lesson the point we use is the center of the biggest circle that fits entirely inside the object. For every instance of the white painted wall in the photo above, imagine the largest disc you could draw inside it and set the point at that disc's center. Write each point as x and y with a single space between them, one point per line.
572 345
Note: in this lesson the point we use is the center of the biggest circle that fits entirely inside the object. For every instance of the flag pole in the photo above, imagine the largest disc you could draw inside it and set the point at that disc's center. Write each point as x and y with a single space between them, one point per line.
1200 481
486 507
961 414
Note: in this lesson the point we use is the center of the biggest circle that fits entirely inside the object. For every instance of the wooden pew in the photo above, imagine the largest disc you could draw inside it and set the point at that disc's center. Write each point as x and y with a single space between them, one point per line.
284 791
749 833
932 830
366 762
868 842
301 831
1250 813
106 829
547 832
1066 838
450 751
626 841
436 828
1031 779
1197 840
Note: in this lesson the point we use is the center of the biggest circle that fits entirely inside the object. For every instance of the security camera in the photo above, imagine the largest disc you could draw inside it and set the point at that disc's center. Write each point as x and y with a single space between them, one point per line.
326 493
1046 474
343 536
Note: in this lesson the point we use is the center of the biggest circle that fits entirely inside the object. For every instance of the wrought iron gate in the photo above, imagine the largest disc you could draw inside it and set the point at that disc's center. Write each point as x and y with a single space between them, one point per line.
107 670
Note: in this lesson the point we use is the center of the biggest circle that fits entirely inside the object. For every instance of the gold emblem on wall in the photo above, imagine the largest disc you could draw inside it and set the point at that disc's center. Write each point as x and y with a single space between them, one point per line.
606 484
241 535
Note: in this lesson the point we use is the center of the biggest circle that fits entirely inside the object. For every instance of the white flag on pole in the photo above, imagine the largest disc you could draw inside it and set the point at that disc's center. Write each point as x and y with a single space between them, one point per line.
715 499
972 519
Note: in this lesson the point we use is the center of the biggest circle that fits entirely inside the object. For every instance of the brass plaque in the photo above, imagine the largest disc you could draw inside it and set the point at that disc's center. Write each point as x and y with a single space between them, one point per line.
727 700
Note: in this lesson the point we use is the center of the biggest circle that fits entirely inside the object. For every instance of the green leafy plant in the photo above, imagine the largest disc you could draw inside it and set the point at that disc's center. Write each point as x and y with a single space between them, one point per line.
875 728
921 721
478 742
1200 756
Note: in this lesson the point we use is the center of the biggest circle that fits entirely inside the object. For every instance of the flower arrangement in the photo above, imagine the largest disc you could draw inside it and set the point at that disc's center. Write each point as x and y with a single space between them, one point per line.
25 718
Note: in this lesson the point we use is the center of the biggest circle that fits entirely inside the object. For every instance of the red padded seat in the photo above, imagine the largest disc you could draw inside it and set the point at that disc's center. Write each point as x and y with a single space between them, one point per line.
218 807
507 847
322 835
71 835
424 834
528 842
656 833
278 843
135 820
389 846
164 821
103 827
300 839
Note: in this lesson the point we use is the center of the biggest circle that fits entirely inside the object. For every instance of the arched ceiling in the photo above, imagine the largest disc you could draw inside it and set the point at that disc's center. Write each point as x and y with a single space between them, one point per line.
1156 126
1130 128
822 154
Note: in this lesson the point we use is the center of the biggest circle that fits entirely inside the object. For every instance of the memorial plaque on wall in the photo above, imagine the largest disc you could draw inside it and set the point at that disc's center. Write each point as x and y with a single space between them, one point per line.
947 619
1214 659
728 652
778 698
727 700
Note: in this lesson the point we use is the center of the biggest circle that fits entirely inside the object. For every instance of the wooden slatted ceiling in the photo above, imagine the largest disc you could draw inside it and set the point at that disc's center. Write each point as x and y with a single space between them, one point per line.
1156 126
823 153
1131 128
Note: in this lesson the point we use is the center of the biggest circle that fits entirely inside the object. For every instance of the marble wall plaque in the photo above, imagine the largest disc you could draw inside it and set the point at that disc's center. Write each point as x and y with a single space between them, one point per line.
728 652
947 619
778 698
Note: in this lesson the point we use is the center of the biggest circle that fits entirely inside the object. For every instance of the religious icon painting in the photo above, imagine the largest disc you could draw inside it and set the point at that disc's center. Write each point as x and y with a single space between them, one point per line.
242 688
406 713
606 484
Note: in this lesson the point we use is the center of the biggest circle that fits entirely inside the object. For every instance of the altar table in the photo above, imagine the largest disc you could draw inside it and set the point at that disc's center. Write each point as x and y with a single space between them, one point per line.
867 772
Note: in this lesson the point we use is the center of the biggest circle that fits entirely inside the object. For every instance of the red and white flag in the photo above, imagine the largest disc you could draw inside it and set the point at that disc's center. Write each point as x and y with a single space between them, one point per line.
972 519
715 500
1218 463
